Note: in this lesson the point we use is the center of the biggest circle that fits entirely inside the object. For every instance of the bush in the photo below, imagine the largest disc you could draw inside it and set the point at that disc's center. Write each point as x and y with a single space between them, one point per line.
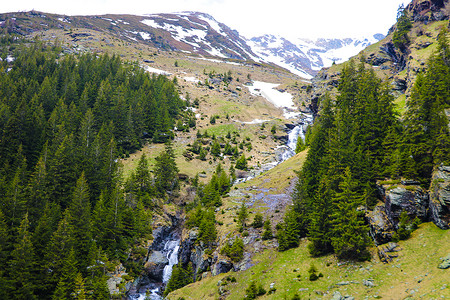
313 273
258 221
252 292
267 234
234 251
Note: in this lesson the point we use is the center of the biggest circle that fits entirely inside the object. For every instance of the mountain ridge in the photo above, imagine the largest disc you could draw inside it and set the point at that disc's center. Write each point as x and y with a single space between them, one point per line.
200 33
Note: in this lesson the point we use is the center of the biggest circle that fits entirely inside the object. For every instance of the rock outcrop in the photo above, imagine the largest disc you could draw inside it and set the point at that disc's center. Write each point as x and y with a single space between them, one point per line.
194 252
155 264
445 264
432 205
412 199
381 228
440 197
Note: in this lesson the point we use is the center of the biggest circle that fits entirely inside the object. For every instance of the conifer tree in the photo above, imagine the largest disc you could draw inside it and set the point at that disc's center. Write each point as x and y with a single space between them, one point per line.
350 234
166 171
79 219
22 264
66 283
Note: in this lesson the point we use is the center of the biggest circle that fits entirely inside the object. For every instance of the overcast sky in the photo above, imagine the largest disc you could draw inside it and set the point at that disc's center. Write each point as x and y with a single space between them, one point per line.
289 18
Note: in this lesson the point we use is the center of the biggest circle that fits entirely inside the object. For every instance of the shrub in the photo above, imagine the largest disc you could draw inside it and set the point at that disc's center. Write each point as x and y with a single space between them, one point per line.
258 221
234 251
313 273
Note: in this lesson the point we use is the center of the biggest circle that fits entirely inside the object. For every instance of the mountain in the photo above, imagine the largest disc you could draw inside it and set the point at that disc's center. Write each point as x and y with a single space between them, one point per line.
306 57
200 33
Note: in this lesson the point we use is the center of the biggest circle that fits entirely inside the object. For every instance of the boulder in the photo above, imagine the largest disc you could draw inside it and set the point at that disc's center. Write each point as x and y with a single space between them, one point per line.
414 200
199 259
440 197
222 266
154 266
381 228
445 263
368 282
337 296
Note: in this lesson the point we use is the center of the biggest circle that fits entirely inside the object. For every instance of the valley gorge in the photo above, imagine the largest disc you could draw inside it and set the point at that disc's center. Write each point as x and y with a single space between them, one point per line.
166 156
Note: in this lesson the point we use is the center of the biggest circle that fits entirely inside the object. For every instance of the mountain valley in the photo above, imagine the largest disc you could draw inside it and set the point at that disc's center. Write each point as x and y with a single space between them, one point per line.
215 166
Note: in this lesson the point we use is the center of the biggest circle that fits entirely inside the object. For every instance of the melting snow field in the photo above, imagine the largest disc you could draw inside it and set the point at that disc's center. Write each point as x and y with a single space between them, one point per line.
255 121
274 96
191 79
157 71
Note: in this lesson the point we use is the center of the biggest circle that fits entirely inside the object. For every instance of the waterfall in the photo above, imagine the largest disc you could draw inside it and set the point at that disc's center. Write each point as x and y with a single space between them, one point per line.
172 248
152 291
288 150
293 137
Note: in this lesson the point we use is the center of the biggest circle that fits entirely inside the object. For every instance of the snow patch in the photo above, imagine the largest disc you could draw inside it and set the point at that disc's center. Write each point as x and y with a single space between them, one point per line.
268 91
255 121
274 96
157 71
145 35
191 79
64 20
213 23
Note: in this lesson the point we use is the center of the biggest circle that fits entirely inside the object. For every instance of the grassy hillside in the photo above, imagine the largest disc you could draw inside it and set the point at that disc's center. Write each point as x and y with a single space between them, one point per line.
413 274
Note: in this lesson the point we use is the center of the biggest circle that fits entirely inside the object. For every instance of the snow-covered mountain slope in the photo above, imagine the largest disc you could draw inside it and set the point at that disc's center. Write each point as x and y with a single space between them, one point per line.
200 33
305 57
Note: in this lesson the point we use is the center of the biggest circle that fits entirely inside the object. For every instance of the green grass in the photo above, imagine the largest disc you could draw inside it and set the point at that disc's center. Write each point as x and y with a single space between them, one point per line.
279 178
221 129
400 104
414 270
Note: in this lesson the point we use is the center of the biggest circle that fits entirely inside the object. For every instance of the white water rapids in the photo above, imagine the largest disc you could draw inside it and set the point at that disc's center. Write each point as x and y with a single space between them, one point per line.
171 248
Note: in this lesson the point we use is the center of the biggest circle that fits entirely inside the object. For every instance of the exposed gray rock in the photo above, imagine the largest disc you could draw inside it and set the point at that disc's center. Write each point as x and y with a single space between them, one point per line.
222 266
337 296
440 197
154 266
381 228
445 263
368 282
199 259
158 257
113 285
413 200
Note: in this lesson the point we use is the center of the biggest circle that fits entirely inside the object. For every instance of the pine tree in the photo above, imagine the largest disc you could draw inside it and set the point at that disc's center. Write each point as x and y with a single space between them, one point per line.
79 218
350 234
241 163
242 215
4 282
207 228
166 171
22 264
80 288
320 227
66 284
61 242
62 174
267 234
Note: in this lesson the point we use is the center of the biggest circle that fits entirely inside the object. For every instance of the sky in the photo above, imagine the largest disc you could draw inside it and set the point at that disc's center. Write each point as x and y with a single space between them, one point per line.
288 18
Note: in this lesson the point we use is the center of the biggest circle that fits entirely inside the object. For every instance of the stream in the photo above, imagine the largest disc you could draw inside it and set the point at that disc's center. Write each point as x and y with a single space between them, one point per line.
152 290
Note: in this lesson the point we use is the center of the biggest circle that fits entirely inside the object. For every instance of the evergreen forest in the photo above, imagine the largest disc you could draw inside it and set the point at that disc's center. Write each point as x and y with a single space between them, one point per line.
66 214
359 139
